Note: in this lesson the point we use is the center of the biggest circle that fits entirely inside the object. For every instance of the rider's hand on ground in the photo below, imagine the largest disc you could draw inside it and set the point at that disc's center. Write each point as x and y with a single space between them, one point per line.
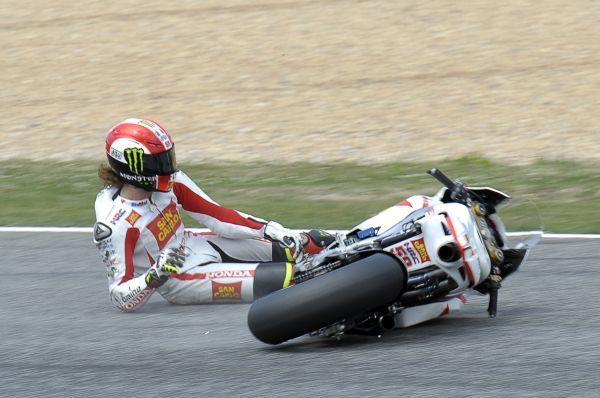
169 261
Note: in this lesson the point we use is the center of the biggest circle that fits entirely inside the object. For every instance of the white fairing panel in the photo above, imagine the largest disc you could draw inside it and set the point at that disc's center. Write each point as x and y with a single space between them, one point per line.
422 313
453 223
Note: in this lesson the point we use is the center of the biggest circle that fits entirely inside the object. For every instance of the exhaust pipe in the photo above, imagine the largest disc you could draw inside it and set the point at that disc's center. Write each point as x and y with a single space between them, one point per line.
437 274
386 322
449 253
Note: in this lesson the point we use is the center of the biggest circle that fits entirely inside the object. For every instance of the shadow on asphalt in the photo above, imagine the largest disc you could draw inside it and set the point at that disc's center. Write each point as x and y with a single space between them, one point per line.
428 331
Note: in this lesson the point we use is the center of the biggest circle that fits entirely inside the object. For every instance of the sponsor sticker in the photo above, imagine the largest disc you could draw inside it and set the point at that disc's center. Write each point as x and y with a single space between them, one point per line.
105 244
131 294
419 245
116 154
133 217
164 226
135 159
101 231
158 131
136 204
224 274
137 298
236 273
117 216
412 252
142 179
109 259
227 291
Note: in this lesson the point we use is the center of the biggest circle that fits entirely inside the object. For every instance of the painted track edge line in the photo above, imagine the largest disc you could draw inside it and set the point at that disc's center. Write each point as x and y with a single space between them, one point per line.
90 230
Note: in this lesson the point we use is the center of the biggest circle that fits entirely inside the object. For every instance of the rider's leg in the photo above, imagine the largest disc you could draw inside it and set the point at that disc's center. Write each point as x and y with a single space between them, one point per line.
244 250
228 270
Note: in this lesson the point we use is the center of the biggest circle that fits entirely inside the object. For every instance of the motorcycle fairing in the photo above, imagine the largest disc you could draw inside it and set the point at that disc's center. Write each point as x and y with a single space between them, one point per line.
457 219
489 195
422 313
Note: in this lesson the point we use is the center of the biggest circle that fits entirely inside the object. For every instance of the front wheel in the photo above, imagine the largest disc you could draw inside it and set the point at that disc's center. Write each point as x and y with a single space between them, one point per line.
355 289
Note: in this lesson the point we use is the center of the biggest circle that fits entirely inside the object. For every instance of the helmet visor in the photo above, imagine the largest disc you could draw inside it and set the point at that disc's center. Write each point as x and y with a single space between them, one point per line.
163 163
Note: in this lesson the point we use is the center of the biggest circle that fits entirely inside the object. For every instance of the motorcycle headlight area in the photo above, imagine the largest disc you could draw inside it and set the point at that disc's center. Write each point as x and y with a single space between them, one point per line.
457 244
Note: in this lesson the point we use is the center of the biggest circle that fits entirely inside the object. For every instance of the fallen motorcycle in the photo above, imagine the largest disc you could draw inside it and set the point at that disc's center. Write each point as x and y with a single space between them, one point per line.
396 270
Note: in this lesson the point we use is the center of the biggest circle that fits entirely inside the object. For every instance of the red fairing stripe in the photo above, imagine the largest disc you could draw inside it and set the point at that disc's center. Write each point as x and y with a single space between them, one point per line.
405 203
462 251
197 204
130 240
446 310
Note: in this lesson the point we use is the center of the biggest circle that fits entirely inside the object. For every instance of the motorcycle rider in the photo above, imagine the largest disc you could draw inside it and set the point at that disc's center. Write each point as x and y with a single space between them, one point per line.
145 247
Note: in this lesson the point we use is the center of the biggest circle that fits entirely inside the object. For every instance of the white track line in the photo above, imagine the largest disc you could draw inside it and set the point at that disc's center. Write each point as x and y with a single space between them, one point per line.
89 231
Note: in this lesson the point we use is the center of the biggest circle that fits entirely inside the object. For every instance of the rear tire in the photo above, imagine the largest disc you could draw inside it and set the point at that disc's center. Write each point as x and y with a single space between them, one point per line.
354 289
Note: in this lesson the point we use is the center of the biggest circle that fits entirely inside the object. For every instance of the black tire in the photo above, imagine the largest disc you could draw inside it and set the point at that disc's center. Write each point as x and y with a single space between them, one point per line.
354 289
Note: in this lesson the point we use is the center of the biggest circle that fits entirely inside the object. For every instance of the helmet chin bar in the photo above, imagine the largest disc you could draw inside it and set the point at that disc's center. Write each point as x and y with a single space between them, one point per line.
155 183
164 183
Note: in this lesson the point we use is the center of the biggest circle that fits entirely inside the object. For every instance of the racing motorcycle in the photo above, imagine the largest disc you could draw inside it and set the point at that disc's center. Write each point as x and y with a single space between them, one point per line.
373 279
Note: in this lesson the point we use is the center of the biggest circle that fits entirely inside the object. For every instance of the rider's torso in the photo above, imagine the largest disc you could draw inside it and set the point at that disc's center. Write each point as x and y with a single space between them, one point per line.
146 226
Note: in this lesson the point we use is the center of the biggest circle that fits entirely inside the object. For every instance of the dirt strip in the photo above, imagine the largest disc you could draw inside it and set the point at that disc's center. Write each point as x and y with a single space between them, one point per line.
305 80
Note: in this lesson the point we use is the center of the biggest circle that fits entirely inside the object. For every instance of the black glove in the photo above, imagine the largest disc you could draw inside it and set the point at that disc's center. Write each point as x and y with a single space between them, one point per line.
289 238
170 261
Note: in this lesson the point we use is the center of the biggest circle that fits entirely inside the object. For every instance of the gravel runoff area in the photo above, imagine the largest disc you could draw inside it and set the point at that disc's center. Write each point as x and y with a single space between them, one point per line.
304 80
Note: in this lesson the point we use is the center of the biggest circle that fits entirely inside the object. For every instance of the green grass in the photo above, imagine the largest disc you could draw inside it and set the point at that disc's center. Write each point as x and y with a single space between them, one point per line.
566 194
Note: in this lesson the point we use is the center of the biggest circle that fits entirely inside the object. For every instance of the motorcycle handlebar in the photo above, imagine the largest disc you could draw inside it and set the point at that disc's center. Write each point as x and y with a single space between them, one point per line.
441 177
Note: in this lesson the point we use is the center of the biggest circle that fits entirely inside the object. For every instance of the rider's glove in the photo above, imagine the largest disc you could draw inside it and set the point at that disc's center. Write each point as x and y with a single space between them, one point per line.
289 238
169 261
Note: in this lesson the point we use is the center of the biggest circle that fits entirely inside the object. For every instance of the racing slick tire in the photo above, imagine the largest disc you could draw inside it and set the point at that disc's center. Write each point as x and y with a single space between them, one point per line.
357 288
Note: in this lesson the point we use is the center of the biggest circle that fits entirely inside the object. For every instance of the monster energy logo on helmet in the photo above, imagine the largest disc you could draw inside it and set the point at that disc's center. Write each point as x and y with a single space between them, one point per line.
135 159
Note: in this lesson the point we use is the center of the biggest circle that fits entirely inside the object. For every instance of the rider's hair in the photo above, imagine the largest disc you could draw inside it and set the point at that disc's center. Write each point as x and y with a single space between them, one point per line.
108 176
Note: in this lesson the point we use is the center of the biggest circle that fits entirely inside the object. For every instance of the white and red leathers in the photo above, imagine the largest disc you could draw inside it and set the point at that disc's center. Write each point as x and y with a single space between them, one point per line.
130 235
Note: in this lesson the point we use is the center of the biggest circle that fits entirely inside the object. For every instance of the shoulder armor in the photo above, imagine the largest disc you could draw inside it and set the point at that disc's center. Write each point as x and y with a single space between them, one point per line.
101 231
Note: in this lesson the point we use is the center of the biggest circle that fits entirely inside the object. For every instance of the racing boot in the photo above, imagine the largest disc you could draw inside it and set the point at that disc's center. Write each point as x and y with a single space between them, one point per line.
313 242
316 240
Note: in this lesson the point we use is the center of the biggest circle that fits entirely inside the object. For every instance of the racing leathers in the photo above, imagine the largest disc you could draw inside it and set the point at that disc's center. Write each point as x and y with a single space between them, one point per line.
131 234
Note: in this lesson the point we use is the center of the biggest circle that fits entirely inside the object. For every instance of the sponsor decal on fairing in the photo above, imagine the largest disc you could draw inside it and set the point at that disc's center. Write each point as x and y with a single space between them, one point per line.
419 245
412 252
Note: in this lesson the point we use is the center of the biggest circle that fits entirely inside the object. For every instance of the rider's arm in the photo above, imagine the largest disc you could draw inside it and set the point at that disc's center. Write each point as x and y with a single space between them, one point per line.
223 221
127 287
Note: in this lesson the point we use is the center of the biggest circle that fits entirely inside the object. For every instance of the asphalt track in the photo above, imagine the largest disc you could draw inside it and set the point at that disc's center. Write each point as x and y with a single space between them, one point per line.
60 337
